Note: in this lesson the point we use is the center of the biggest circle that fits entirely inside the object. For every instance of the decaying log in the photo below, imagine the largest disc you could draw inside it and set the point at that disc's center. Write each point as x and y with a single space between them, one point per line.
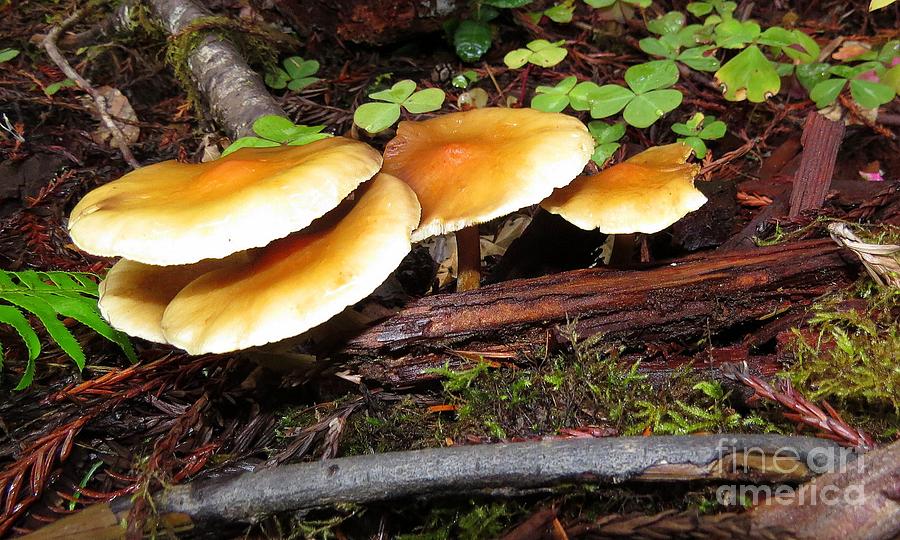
235 93
502 469
821 141
368 21
680 302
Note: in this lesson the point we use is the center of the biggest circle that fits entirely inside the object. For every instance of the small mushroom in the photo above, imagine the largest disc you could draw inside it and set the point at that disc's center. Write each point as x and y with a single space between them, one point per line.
645 194
174 213
470 167
298 282
133 295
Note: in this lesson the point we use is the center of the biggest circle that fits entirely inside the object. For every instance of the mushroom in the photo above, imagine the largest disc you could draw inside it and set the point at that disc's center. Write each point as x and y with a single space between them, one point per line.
300 281
174 213
644 194
133 295
470 167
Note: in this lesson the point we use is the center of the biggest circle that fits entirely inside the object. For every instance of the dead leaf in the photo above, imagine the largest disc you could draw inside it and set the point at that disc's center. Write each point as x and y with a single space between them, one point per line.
119 109
851 49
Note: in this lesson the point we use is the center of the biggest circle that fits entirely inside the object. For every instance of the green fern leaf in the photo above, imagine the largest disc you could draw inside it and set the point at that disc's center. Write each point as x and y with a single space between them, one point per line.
49 296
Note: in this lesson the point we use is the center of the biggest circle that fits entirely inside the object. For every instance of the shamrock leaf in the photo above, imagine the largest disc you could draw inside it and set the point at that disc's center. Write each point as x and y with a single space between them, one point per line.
609 99
825 92
427 100
375 117
539 52
749 75
812 74
870 95
645 109
651 75
553 98
734 34
397 93
697 59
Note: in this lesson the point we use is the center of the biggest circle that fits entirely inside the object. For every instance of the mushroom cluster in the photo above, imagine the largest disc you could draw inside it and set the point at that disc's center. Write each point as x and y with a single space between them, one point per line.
255 247
268 243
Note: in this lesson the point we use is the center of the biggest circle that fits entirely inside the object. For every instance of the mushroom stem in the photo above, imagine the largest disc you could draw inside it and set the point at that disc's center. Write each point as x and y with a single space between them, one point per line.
468 256
622 249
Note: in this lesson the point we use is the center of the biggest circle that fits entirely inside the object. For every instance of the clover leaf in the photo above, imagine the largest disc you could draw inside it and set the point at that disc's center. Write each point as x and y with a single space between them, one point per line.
539 52
749 75
697 130
276 130
553 98
606 137
644 101
296 75
868 94
8 54
383 113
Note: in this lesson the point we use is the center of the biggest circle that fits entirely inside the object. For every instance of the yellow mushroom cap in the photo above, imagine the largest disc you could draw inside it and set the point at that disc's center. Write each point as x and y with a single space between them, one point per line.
176 213
298 282
474 166
133 295
646 193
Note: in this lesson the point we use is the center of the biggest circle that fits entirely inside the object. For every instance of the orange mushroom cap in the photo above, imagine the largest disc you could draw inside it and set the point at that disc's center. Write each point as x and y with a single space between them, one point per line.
645 194
470 167
298 282
176 213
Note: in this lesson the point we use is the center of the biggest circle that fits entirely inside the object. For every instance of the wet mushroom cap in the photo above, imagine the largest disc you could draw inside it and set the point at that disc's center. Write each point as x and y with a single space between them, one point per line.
645 194
470 167
133 295
176 213
298 282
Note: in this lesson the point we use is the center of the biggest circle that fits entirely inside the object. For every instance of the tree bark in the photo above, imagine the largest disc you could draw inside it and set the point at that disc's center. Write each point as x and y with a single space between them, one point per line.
235 93
702 296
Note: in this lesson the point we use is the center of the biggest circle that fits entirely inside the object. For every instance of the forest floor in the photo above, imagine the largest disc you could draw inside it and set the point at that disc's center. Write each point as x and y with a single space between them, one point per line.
117 429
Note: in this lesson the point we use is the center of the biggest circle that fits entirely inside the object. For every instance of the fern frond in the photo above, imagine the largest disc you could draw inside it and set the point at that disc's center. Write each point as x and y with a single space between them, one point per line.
48 296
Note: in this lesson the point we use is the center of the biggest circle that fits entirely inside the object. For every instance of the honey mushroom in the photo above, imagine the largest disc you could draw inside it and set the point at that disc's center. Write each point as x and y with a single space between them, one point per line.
471 167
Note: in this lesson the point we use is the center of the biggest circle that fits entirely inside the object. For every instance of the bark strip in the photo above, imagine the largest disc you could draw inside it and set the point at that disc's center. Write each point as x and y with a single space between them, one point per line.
821 141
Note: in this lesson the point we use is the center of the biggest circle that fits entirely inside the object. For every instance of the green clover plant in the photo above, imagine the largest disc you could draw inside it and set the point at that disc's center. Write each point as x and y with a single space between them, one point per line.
553 98
296 75
274 131
385 111
646 99
697 130
675 35
606 140
539 52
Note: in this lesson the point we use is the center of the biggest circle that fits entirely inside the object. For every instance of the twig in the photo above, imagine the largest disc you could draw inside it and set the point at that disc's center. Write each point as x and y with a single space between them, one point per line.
804 411
492 468
99 101
672 524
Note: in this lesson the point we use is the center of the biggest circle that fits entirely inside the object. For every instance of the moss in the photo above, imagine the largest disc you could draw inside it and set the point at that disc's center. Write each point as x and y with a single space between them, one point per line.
849 354
258 46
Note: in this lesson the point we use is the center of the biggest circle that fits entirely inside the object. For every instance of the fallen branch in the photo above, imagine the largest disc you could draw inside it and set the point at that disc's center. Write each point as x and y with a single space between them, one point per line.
498 468
235 93
99 101
679 302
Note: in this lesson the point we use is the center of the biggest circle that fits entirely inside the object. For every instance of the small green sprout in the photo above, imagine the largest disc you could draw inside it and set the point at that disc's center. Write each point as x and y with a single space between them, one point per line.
8 54
606 140
673 36
383 113
697 130
464 79
274 131
539 52
296 75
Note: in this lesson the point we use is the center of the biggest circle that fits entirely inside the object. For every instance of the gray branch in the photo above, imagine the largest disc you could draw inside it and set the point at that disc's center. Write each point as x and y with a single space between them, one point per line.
235 93
515 466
